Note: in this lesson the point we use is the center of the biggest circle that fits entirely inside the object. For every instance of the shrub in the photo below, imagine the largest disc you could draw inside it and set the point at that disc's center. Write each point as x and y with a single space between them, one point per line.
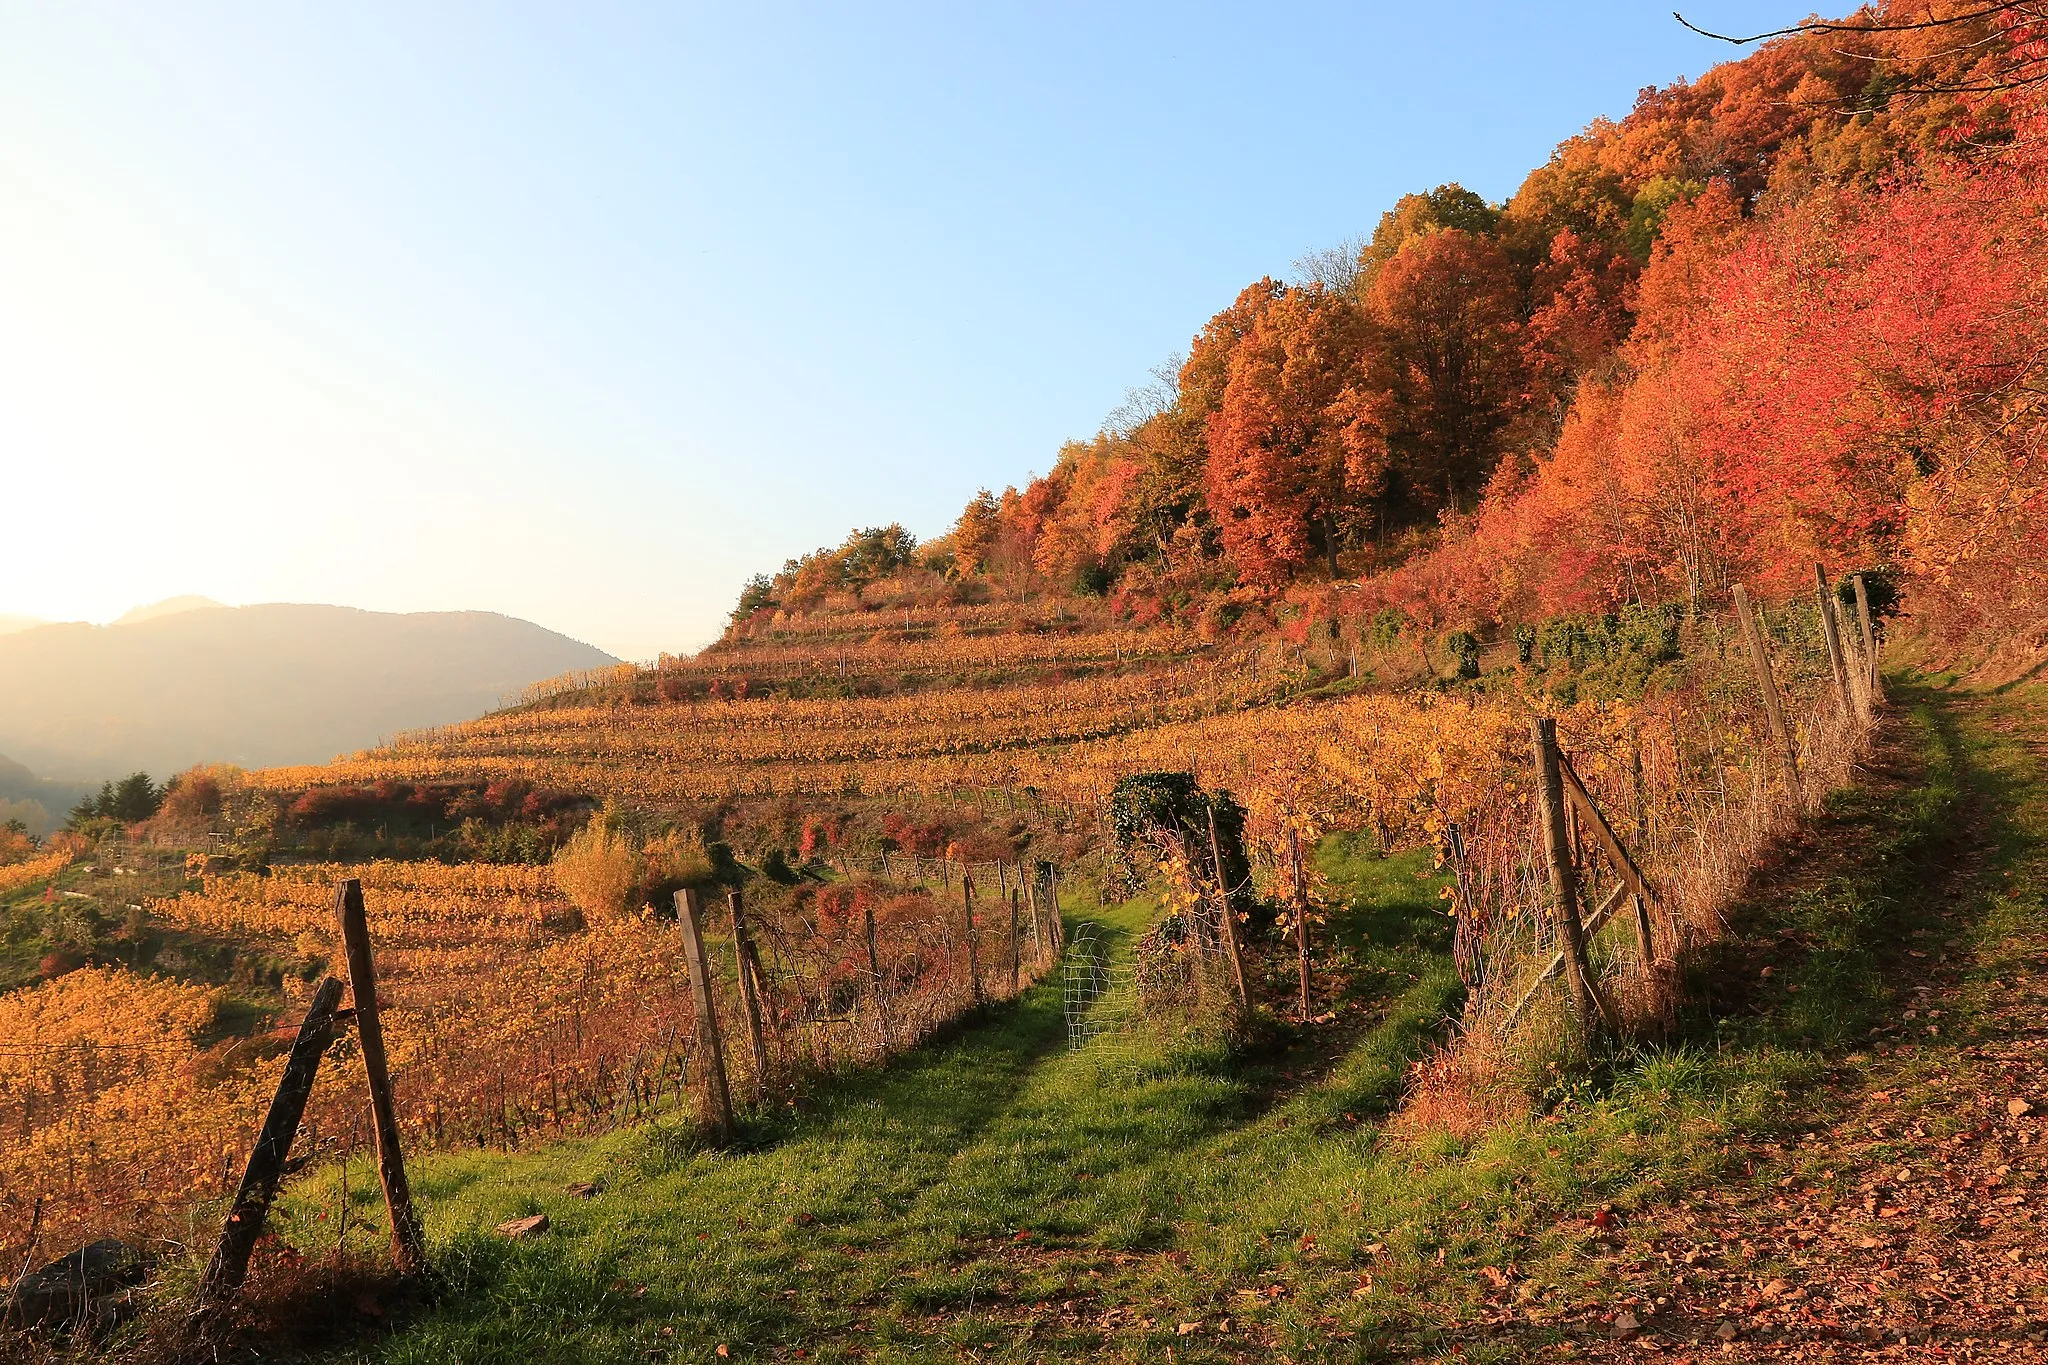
598 869
670 863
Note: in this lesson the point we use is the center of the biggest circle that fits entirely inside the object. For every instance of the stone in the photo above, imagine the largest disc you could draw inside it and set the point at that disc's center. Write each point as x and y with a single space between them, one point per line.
88 1285
520 1229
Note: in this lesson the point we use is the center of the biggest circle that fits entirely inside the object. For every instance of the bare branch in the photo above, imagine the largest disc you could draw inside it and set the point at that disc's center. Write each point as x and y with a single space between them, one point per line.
1837 26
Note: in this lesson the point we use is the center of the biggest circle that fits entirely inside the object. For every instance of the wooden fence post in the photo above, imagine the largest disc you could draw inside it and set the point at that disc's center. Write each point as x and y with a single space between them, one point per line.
749 971
1831 627
718 1096
875 972
1767 683
1059 923
229 1265
1591 1008
1244 998
408 1238
1876 685
1033 902
1300 912
973 953
1016 896
1467 951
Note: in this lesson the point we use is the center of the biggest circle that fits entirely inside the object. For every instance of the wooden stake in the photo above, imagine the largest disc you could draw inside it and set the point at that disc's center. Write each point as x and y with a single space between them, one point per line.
1624 865
1467 952
1034 901
973 953
408 1239
1831 626
875 973
1244 998
1876 690
229 1265
1591 1008
1595 922
1300 913
718 1095
1774 705
1058 922
749 973
1016 895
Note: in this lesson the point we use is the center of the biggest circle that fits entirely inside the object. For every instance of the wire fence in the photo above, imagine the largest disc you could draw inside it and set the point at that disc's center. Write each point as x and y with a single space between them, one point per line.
128 1103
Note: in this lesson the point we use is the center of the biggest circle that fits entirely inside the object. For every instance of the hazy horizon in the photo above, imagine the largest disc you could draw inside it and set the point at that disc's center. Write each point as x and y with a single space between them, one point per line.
181 602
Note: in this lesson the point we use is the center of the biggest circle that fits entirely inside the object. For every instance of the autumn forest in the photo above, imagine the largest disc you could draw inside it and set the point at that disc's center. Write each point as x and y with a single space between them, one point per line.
1791 310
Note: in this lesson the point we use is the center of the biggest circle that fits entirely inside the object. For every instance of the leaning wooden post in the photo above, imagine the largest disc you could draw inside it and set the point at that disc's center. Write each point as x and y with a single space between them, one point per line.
229 1265
1876 685
973 953
1033 902
867 911
1591 1009
1016 897
1059 921
408 1238
1774 705
1832 628
718 1096
1244 998
1624 864
1300 912
750 990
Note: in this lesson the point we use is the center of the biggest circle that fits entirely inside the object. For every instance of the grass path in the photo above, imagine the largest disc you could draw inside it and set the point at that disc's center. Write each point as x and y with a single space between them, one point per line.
992 1194
1809 1164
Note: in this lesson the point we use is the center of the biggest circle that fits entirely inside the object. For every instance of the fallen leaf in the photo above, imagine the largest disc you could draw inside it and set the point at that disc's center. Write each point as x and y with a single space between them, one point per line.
2018 1108
518 1229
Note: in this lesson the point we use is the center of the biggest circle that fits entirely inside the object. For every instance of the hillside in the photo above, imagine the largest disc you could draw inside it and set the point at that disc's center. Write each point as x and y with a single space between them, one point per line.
1498 815
1743 1191
1789 311
38 802
256 685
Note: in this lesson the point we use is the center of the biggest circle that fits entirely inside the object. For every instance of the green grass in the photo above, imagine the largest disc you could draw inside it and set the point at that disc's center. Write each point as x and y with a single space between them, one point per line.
997 1196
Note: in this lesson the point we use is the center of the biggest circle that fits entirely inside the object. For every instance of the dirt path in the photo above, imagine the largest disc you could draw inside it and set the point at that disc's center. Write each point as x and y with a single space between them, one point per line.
1910 1222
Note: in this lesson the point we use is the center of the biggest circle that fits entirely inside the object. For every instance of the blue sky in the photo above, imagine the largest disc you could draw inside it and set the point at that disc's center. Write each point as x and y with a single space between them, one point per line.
585 313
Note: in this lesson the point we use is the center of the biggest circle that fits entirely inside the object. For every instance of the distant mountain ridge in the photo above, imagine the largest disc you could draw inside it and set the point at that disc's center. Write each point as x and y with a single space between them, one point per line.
257 686
170 606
